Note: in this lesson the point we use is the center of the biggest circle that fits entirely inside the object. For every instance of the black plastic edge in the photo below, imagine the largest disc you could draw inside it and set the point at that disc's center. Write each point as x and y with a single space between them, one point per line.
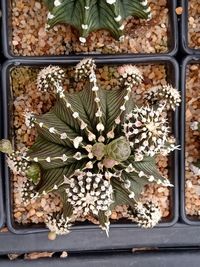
172 4
184 30
146 60
2 215
146 259
183 214
91 240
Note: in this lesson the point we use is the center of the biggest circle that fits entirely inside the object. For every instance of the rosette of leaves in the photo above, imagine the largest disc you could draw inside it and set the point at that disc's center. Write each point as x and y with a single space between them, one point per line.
92 15
91 150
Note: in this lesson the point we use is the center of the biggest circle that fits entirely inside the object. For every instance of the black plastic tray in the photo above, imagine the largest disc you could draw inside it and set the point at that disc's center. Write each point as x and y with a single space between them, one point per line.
184 30
184 258
191 220
91 240
6 36
173 76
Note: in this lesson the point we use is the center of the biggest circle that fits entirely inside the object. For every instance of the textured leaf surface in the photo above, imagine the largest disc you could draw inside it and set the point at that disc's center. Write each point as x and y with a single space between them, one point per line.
120 194
56 176
83 103
111 101
65 115
67 207
137 183
50 120
148 166
98 15
42 149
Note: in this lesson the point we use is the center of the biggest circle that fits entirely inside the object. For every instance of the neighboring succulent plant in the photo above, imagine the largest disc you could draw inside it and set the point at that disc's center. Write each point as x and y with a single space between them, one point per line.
95 148
195 166
92 15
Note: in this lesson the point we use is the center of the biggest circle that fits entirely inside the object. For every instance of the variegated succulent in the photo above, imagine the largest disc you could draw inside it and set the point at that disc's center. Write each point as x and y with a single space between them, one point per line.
91 15
195 167
96 148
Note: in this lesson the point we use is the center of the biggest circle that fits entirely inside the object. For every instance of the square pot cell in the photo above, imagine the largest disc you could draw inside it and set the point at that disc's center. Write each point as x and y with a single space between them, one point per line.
25 36
190 141
169 67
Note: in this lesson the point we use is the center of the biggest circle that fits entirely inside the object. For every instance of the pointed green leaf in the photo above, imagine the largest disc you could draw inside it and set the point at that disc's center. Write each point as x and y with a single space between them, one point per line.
67 207
50 120
120 194
65 115
42 149
83 103
53 177
148 166
137 183
111 101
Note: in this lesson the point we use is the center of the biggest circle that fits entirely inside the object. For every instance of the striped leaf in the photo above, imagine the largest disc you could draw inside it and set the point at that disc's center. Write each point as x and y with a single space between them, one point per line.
67 207
111 101
42 148
55 177
51 121
83 103
136 183
148 166
120 194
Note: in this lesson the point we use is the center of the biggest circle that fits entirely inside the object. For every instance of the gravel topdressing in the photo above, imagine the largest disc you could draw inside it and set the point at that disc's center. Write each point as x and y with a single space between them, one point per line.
26 95
192 142
194 24
29 38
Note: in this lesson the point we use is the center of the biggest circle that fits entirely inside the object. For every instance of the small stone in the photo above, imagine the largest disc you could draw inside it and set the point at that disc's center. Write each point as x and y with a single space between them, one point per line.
179 10
14 42
64 254
52 236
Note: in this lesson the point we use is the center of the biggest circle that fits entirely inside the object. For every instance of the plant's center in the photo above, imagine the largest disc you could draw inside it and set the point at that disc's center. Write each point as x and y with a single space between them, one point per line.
89 199
111 154
152 127
119 149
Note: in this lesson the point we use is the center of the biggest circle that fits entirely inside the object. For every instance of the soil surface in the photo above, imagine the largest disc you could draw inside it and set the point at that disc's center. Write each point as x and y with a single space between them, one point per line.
194 24
192 142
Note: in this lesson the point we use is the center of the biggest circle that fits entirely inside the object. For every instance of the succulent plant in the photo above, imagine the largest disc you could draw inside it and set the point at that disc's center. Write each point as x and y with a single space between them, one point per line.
92 15
95 148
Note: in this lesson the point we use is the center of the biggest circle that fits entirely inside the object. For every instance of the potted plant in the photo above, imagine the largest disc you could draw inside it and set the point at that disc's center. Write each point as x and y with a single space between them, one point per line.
190 37
190 140
42 28
102 148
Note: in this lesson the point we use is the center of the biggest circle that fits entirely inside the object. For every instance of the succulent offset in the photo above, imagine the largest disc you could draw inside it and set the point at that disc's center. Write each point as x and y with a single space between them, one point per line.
95 148
91 15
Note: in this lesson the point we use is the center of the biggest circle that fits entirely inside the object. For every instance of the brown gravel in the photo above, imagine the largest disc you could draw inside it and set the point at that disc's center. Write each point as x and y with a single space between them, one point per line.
192 186
28 36
194 24
25 95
